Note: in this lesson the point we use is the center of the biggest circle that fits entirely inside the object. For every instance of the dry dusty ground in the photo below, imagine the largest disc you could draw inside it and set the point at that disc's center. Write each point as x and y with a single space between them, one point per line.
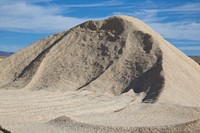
85 111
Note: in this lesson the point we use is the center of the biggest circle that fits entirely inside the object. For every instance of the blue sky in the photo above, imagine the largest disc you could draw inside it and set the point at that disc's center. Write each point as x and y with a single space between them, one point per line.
23 22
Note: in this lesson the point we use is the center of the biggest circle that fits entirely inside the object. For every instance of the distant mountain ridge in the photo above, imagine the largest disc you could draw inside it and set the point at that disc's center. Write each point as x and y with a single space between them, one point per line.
5 54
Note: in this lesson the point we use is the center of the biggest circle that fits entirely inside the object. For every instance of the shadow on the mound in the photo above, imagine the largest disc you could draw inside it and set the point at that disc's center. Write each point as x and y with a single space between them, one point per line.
151 82
4 130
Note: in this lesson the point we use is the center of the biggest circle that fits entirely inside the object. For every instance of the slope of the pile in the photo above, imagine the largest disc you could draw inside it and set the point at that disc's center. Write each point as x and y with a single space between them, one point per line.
25 62
181 74
115 55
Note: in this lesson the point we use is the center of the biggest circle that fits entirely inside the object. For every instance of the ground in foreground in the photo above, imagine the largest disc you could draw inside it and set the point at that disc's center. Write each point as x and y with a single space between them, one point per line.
85 111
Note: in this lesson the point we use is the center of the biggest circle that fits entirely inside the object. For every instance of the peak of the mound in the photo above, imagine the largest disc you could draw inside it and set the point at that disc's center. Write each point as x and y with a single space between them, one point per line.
115 55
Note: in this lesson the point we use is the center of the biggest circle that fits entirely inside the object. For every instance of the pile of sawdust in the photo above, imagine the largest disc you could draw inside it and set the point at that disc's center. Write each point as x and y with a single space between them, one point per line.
116 58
